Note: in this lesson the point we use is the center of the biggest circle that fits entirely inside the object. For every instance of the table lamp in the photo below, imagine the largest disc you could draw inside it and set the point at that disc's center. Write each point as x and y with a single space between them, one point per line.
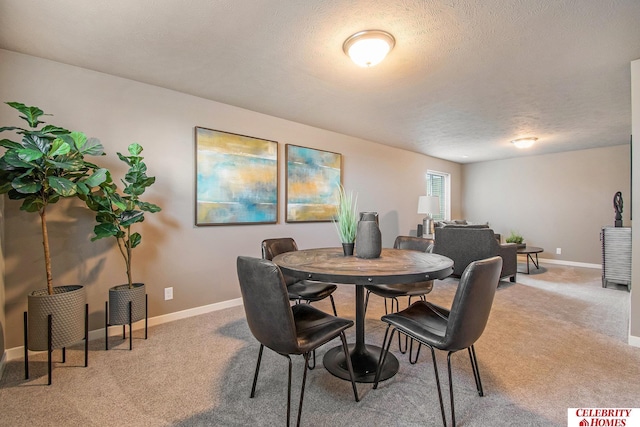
428 205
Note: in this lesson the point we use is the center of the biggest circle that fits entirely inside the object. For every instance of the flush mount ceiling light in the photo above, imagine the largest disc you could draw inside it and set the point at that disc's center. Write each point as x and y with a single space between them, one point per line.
367 48
524 142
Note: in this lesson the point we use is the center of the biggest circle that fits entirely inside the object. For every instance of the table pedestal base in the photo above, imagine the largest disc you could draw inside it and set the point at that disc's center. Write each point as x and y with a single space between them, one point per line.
364 361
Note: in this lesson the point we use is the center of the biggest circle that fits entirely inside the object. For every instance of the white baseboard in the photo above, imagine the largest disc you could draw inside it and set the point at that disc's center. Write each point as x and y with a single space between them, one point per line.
634 341
570 263
18 352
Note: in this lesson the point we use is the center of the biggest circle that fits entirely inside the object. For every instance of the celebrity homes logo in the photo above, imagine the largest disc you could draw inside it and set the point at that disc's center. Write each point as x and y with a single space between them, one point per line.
603 417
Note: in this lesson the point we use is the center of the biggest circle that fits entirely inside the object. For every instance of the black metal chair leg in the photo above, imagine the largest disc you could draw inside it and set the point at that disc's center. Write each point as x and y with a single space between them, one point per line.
345 348
333 304
412 360
289 393
453 411
476 371
304 381
435 370
406 344
64 354
314 361
384 350
255 376
366 301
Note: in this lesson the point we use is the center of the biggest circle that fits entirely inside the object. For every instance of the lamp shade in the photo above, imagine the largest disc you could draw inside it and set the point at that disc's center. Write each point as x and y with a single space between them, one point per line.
428 204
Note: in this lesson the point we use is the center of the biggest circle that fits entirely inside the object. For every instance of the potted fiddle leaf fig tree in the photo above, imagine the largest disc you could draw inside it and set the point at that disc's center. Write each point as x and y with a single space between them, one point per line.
47 165
116 213
346 219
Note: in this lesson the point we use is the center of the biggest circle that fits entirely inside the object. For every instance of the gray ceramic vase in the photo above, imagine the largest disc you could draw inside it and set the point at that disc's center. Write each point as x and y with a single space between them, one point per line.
368 236
67 309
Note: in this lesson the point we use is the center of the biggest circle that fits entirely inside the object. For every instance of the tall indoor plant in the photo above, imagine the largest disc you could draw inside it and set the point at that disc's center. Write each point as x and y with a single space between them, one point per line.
346 220
116 213
45 166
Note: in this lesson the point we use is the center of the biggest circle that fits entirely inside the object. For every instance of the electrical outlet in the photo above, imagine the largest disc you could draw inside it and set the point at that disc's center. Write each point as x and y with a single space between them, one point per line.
558 251
168 293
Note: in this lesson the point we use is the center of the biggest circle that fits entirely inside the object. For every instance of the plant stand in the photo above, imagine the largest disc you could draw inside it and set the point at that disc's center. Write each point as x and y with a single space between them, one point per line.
130 323
50 343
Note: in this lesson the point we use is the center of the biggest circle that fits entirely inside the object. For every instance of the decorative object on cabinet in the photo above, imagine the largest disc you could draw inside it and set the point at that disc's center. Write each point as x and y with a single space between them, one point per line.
616 256
236 179
312 179
617 208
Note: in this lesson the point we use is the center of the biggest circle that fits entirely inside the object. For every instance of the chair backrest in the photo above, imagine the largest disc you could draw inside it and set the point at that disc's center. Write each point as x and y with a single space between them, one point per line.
465 245
266 304
472 303
412 243
280 245
273 247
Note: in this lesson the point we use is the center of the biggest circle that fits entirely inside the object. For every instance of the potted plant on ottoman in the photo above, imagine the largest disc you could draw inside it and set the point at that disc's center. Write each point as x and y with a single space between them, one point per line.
45 166
115 214
346 220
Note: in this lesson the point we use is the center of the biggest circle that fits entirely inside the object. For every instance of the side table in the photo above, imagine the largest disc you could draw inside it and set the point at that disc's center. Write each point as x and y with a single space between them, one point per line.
529 251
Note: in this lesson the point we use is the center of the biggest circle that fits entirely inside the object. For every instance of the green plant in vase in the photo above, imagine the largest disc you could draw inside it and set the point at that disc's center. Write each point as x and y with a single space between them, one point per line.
346 220
45 166
116 212
515 237
48 164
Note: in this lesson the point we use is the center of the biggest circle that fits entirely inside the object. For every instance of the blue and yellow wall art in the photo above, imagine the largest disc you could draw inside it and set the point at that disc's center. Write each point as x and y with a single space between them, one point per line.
236 179
313 179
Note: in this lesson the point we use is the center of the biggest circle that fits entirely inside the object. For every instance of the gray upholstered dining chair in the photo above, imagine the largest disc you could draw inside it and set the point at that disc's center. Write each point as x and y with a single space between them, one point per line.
299 290
285 329
393 291
450 330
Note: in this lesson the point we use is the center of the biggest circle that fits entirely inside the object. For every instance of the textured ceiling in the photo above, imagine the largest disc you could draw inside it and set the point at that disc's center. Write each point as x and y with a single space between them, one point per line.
464 78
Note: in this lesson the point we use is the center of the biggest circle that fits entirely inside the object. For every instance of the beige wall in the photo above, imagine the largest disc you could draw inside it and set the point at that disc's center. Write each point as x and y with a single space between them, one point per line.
635 274
555 201
198 262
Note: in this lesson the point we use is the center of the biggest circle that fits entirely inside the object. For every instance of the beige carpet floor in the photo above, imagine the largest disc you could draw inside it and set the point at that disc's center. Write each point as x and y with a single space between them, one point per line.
555 340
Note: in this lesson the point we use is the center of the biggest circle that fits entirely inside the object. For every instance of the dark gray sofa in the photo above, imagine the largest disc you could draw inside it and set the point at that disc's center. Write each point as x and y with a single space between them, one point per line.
465 245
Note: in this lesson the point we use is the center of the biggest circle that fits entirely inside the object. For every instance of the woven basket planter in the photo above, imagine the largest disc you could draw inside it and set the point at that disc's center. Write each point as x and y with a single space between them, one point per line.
67 309
119 297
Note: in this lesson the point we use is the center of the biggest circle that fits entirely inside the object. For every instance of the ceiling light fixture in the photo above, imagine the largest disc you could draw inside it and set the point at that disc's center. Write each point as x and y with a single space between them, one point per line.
524 142
368 48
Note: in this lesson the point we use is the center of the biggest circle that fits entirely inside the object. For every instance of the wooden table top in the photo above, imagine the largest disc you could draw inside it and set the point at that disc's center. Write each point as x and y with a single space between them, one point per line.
529 250
393 266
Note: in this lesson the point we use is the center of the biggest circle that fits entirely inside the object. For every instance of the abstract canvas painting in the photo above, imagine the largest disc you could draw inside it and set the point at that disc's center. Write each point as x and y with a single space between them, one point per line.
313 179
236 179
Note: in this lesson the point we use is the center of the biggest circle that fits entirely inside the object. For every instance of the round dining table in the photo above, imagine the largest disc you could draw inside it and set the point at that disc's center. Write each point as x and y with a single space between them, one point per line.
393 266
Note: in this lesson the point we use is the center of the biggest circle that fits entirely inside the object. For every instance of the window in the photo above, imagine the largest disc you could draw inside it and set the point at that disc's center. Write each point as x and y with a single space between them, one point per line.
438 184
